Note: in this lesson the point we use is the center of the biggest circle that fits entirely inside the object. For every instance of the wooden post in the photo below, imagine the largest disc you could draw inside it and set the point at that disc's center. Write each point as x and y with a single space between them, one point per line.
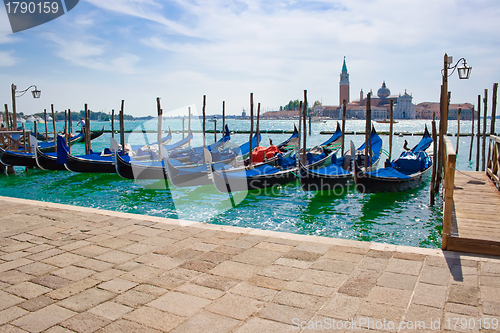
434 157
160 120
391 128
215 129
478 153
367 129
183 127
472 135
223 122
344 110
310 116
257 131
441 142
86 131
54 125
112 123
299 142
304 145
66 123
25 140
204 123
7 123
70 123
458 128
14 115
35 125
251 129
122 126
483 160
189 127
46 126
494 109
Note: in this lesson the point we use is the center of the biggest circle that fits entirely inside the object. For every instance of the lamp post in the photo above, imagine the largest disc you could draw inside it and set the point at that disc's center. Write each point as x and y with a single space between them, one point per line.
18 93
463 73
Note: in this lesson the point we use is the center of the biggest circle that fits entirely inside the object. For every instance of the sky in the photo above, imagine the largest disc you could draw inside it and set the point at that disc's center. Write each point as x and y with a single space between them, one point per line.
104 51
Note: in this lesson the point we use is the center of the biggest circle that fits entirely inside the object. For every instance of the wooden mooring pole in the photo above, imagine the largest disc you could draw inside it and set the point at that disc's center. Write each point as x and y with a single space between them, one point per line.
458 128
257 129
472 134
189 126
54 125
344 109
46 127
122 126
160 120
304 125
112 123
367 129
483 154
223 123
250 148
204 120
391 128
478 152
434 157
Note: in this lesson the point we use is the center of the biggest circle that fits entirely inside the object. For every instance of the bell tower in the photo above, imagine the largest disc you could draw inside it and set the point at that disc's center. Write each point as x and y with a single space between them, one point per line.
344 85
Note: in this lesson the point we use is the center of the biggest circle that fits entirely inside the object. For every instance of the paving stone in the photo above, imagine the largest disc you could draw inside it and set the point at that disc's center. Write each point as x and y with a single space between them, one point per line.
110 310
359 283
108 274
390 296
180 304
117 285
491 308
336 266
398 281
299 300
200 291
121 326
371 263
95 265
37 268
27 290
134 298
467 310
468 295
11 314
73 288
44 318
115 257
323 278
203 247
159 261
207 322
152 290
91 250
267 282
138 248
453 322
256 256
217 282
258 293
281 272
45 254
58 329
85 323
128 266
430 295
235 306
154 318
403 266
309 288
435 275
75 245
86 299
489 281
14 276
313 247
381 311
64 259
142 274
73 273
37 303
8 300
198 265
236 270
183 274
51 281
115 243
226 249
14 264
344 256
186 254
14 255
341 306
274 247
490 268
166 281
423 313
263 325
284 314
380 254
299 254
294 263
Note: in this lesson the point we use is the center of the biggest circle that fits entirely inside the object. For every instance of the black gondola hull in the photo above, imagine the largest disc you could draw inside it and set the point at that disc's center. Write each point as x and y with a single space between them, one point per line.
311 181
128 170
17 159
47 162
372 184
77 164
225 183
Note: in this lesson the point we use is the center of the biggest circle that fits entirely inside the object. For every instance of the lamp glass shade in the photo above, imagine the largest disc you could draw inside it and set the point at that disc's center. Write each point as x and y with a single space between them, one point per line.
36 93
464 72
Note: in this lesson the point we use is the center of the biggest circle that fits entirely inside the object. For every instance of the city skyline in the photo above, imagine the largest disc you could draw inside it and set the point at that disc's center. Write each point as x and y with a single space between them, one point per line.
137 50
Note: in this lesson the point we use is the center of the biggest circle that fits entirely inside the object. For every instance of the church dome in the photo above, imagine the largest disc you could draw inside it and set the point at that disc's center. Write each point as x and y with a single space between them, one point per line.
383 92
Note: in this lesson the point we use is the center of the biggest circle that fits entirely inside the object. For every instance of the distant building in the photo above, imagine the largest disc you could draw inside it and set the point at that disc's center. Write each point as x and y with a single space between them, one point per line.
243 114
426 110
344 85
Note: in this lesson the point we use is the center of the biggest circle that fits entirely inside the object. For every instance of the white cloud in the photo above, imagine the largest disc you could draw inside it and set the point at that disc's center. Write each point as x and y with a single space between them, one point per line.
6 59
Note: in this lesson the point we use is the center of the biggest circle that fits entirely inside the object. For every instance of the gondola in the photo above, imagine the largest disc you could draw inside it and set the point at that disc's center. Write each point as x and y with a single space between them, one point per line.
339 173
27 159
130 168
406 172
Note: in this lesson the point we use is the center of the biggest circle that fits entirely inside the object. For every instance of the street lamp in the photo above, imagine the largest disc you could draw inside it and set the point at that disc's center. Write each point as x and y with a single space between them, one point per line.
18 93
463 70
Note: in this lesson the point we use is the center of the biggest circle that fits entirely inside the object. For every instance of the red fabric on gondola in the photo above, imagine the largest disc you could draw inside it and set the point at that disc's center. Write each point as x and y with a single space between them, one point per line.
259 153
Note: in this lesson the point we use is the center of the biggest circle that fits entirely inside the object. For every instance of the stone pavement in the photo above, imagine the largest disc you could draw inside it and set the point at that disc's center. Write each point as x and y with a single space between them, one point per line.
73 269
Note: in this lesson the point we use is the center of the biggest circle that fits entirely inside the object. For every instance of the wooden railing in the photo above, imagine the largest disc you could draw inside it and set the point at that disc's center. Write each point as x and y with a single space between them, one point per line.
493 166
450 158
13 140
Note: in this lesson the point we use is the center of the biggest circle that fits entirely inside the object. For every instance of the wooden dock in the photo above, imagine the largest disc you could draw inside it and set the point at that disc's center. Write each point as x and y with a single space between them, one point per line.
475 222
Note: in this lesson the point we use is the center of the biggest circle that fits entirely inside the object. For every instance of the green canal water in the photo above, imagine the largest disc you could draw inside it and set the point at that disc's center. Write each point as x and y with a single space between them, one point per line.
396 218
